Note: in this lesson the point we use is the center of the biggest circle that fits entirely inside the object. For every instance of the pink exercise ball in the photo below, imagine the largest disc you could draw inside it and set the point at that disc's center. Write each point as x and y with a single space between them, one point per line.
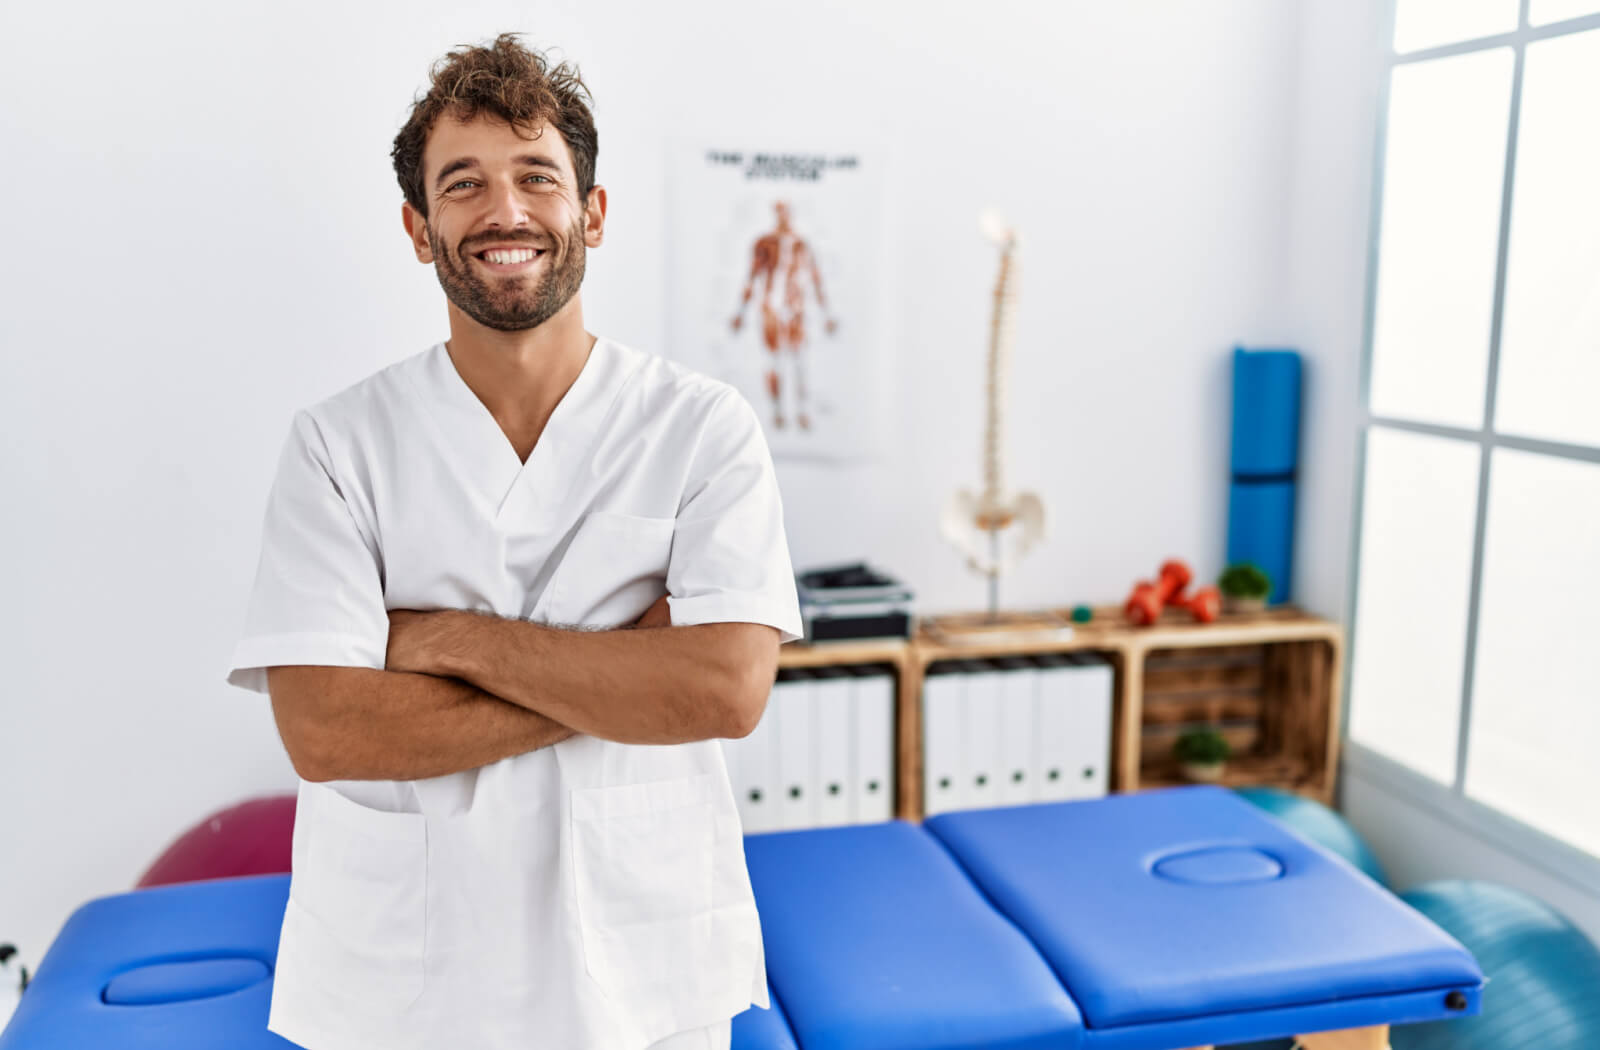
254 837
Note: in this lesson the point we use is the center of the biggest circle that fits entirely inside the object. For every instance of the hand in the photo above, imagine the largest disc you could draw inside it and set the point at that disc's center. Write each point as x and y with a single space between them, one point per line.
658 615
411 637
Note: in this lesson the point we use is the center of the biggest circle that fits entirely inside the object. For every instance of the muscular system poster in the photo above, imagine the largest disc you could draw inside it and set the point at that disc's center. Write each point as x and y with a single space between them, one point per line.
772 260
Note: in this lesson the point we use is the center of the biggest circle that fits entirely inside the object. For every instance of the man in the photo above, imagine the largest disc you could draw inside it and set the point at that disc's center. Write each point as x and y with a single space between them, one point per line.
515 829
783 259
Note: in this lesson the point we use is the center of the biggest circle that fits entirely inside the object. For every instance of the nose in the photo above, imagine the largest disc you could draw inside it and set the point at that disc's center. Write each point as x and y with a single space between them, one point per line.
507 211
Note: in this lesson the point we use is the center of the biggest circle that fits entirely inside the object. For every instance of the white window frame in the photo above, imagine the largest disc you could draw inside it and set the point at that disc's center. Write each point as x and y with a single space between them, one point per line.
1451 803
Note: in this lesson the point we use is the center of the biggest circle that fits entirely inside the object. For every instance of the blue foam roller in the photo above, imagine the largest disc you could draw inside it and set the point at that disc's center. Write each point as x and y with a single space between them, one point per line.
1266 413
1261 531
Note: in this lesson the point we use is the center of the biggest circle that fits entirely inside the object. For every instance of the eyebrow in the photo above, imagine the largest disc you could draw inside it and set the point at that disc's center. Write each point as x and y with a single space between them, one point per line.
527 160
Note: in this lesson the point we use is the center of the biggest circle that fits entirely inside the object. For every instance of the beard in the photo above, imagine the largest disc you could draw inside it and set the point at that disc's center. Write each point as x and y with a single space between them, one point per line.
512 304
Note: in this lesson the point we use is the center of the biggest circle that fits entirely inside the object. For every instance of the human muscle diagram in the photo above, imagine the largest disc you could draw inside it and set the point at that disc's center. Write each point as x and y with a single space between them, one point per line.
773 289
784 268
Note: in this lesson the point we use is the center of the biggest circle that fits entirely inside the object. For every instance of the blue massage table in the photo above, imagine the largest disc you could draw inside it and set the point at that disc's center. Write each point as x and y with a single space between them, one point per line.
1155 921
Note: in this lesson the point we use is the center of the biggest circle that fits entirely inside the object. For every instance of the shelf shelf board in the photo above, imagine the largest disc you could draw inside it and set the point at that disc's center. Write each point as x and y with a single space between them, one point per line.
1249 771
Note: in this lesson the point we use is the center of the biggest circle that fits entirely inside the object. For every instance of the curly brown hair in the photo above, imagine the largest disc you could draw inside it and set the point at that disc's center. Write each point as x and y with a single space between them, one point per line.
506 81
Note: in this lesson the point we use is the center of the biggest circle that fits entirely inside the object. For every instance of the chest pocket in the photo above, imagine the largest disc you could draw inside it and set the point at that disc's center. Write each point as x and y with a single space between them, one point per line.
613 570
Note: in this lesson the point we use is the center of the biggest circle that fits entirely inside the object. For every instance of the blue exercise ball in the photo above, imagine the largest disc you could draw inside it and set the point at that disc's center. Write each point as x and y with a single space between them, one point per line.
1544 973
1319 824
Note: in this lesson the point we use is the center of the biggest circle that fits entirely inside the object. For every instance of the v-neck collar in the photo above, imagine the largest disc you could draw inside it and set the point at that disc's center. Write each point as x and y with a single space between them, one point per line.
471 437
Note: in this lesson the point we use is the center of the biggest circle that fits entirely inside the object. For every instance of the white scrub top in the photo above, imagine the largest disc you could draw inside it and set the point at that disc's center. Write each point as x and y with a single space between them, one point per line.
587 895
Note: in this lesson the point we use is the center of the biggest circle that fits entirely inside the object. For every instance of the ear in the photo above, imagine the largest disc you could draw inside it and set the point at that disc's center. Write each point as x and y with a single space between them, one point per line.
417 229
594 229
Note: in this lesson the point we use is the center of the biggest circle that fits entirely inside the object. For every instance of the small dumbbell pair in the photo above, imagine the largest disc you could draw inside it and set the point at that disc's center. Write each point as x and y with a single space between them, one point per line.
1144 605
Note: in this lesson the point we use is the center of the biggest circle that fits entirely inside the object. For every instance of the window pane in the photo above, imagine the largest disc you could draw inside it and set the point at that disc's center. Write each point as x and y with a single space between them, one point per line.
1543 12
1444 172
1536 698
1430 23
1550 342
1420 502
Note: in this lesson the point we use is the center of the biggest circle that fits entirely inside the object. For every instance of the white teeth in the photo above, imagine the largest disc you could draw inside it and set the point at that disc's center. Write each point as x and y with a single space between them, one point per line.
520 255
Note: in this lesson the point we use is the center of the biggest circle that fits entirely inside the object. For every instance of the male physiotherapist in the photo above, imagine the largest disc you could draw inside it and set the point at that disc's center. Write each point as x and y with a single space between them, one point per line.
511 591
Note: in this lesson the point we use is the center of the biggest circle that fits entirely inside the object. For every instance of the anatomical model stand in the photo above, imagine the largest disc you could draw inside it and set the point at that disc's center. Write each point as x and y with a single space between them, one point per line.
996 528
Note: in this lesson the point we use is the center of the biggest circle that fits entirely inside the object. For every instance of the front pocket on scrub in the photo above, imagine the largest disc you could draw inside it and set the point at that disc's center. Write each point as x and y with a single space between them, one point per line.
360 890
644 866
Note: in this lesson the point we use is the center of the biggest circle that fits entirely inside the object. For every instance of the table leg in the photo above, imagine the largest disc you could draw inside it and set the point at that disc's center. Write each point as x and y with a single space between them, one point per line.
1375 1038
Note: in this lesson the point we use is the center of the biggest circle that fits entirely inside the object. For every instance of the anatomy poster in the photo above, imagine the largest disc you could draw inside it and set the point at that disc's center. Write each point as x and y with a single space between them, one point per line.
773 260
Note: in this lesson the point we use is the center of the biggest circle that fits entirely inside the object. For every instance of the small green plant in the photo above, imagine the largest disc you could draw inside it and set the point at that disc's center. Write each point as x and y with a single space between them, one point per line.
1245 580
1201 747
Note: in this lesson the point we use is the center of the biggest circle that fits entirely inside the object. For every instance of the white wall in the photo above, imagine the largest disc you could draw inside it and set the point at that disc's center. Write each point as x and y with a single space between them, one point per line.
205 237
1324 294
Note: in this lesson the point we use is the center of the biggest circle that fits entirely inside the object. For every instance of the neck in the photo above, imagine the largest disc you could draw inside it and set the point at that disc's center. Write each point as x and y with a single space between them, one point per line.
521 376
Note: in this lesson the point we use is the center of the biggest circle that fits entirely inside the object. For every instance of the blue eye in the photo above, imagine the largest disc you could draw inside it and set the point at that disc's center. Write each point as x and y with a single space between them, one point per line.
453 185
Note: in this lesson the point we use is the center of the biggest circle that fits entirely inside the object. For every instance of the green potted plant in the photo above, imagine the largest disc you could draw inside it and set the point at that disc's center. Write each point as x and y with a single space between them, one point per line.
1244 587
1202 754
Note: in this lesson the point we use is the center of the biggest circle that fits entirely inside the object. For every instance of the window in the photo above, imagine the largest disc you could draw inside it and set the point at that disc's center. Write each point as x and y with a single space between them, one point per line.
1475 650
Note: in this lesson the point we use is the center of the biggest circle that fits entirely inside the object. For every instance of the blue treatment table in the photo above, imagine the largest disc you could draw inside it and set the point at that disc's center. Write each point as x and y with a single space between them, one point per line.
183 967
1186 917
1164 920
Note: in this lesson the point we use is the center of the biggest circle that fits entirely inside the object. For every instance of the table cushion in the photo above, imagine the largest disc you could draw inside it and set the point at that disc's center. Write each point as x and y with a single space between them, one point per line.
184 967
1190 903
758 1029
875 938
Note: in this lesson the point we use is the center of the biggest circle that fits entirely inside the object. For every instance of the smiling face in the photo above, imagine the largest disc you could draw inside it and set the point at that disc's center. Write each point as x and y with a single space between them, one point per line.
506 230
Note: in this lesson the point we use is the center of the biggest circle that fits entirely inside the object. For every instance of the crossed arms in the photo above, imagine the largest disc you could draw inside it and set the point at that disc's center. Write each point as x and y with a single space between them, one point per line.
461 690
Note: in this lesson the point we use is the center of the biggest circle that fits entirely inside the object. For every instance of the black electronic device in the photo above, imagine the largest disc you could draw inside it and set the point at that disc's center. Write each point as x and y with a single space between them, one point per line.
853 601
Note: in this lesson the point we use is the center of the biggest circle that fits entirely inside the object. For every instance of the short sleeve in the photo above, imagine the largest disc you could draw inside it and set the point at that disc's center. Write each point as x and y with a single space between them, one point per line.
730 556
318 594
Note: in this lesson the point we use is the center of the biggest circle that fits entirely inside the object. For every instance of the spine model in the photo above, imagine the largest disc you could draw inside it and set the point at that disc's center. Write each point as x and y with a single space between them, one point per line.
994 512
974 524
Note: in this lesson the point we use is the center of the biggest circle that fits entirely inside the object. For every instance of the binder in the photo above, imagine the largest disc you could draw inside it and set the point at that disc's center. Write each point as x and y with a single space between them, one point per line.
832 704
796 751
873 794
1054 758
1091 726
1014 770
943 696
753 769
980 735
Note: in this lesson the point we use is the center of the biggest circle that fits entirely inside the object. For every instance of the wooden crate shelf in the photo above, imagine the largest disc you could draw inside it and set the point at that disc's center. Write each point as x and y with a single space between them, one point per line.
1270 680
1249 771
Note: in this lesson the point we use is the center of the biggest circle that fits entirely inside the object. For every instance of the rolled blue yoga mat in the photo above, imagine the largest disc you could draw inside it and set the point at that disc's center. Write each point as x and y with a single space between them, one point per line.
1265 463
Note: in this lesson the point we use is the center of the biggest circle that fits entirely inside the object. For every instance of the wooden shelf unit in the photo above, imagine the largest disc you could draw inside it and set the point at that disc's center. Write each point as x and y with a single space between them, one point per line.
1269 679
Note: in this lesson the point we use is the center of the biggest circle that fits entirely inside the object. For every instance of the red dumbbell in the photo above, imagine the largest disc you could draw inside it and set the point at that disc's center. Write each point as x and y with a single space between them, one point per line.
1204 604
1144 605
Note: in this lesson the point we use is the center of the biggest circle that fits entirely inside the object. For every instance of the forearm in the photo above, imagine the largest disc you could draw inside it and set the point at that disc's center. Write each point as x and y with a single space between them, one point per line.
658 686
363 724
